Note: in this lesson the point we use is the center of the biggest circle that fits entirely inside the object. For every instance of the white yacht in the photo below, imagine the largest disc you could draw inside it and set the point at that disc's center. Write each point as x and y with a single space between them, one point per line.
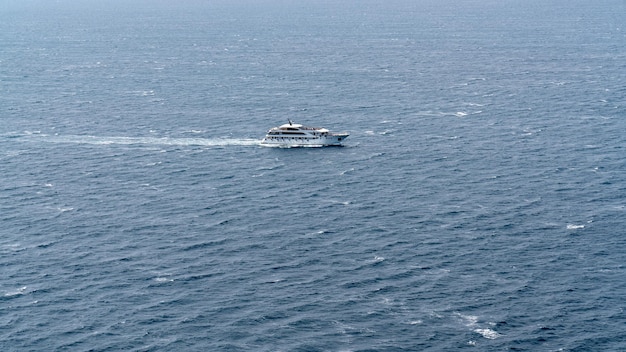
296 135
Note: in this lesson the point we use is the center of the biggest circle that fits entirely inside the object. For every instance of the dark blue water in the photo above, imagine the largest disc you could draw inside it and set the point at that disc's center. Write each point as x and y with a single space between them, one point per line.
479 203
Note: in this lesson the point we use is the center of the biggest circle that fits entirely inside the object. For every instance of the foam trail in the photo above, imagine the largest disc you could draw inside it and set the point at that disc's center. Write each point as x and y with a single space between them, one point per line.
99 140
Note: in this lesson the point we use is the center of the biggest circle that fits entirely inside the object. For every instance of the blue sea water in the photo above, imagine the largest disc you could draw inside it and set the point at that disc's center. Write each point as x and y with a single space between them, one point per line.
479 203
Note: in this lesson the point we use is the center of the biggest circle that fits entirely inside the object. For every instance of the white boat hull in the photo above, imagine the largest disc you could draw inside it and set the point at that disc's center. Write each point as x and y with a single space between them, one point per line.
293 142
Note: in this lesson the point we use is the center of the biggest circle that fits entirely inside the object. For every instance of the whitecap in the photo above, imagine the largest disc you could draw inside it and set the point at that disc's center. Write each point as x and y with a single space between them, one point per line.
163 279
346 171
575 227
15 247
378 259
469 320
488 333
19 291
337 202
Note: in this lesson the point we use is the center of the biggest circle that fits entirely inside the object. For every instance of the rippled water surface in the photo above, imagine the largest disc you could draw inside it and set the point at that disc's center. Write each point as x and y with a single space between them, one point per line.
479 202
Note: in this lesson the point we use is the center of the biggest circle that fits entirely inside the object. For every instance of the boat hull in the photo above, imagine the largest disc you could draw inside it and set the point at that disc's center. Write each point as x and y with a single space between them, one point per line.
293 142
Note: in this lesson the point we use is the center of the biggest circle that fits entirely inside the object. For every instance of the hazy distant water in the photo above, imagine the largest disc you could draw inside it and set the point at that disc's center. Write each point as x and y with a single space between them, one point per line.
479 203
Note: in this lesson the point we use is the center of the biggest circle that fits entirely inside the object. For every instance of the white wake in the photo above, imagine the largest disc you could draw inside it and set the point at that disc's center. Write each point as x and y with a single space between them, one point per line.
156 141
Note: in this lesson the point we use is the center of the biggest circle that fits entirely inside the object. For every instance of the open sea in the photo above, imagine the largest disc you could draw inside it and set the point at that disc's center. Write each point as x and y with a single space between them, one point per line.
479 203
